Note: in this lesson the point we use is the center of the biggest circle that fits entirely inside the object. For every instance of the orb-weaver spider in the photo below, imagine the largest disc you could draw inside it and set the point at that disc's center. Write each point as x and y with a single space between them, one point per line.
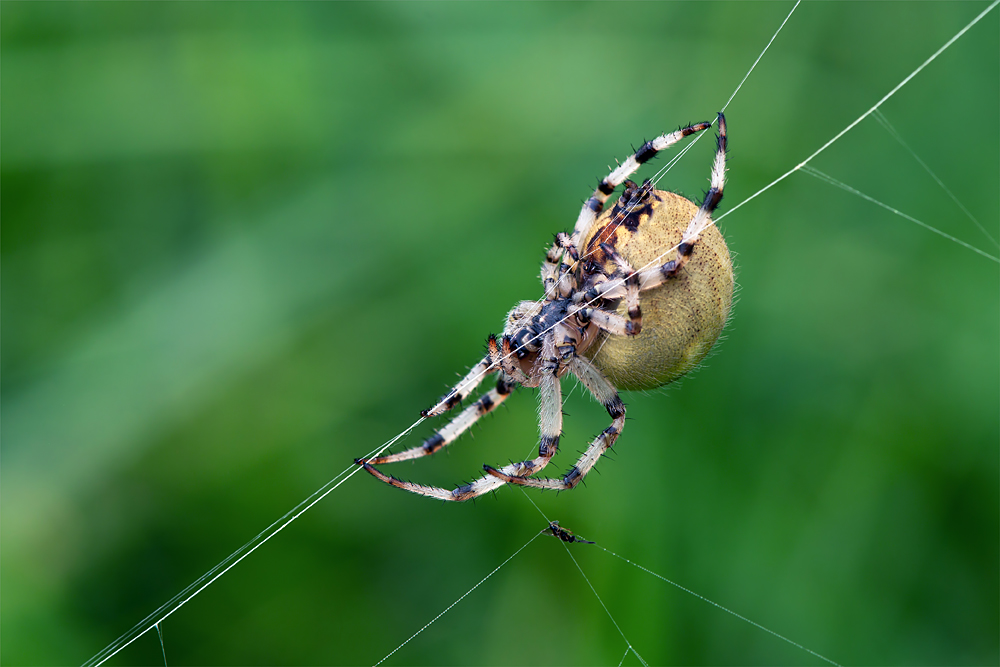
612 315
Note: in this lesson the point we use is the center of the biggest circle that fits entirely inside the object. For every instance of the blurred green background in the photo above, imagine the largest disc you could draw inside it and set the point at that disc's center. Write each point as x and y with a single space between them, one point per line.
245 243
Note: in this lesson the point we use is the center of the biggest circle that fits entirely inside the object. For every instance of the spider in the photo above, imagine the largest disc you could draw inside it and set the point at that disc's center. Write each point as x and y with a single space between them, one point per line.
612 315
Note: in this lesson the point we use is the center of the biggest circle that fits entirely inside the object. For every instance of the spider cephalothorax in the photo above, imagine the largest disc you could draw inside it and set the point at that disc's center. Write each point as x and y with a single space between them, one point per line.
614 314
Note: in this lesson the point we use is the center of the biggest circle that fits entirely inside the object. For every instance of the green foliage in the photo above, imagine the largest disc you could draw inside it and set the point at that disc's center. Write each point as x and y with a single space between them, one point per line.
245 243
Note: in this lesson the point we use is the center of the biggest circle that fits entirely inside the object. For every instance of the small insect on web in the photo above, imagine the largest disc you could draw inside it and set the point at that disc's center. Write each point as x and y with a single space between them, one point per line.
602 320
564 534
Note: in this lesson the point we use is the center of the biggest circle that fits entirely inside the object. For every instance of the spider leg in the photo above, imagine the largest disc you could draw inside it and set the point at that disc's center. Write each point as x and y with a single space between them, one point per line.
551 427
466 386
482 485
631 288
557 268
657 275
550 270
610 321
593 206
446 435
606 393
551 420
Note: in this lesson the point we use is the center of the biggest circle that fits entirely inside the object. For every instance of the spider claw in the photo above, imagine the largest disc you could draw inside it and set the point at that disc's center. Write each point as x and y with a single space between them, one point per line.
493 471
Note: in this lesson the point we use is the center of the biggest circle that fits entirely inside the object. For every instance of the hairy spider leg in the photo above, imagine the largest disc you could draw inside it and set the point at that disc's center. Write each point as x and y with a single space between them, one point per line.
609 321
550 422
447 434
465 386
551 426
550 270
656 276
606 393
473 489
557 272
631 279
593 206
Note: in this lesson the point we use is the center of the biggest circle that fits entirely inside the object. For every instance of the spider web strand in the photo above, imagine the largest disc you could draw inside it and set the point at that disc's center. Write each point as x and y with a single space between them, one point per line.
812 171
754 66
884 122
462 597
667 167
582 574
869 112
163 649
716 604
686 590
207 579
606 610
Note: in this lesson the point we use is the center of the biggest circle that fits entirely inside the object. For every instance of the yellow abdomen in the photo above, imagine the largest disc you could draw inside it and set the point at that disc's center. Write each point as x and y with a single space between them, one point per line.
682 318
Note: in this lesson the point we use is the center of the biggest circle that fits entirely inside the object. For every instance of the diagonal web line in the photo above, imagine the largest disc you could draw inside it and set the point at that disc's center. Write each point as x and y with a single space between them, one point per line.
207 579
462 597
163 649
607 611
884 122
812 171
860 118
686 590
754 66
667 167
583 574
716 604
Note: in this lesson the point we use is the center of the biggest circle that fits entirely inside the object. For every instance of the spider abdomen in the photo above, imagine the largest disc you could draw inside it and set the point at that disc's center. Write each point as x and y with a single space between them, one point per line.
683 317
